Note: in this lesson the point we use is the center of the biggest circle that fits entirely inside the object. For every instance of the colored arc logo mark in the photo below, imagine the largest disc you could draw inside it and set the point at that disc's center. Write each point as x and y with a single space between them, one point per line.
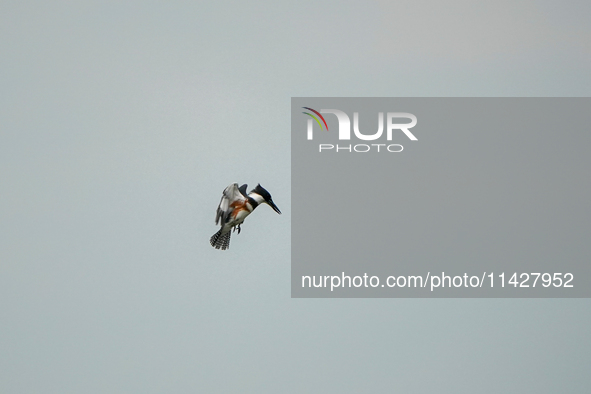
315 118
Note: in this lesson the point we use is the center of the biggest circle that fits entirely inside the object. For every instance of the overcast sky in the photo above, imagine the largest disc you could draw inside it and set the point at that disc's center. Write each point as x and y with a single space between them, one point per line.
121 124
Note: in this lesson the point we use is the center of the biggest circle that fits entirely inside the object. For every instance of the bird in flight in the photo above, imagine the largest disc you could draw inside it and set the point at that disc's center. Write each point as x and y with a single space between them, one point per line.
234 207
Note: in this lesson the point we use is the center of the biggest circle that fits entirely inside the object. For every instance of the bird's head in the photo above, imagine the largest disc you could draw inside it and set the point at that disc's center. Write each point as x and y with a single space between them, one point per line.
261 191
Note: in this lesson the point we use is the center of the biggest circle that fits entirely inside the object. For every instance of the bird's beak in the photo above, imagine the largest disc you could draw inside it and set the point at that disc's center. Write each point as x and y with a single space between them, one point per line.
272 205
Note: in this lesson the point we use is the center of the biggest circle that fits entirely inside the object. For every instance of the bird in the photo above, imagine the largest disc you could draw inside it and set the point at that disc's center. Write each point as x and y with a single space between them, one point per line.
234 207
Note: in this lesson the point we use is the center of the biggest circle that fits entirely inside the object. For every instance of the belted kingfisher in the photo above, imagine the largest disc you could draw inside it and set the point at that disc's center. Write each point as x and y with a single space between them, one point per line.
234 207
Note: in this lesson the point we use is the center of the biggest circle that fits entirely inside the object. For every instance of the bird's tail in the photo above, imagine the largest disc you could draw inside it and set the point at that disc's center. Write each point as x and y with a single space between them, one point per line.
220 240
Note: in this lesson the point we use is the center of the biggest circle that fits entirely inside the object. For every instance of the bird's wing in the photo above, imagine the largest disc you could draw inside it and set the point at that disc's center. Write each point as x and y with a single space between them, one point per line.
231 194
243 190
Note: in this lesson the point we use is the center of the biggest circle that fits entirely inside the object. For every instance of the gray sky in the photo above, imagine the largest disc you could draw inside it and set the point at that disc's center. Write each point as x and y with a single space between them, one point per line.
122 123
